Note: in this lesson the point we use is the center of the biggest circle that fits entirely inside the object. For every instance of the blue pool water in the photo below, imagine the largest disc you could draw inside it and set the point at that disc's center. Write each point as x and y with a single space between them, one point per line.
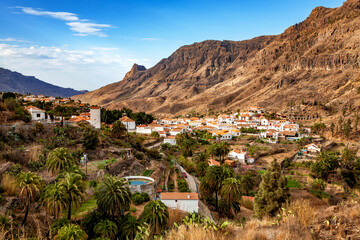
138 182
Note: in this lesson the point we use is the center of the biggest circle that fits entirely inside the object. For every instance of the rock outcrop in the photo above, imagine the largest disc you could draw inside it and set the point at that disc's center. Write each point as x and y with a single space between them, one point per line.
317 59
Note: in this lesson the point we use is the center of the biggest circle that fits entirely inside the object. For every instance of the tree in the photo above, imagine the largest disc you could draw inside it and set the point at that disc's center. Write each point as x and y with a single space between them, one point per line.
201 168
29 185
106 229
113 195
61 111
118 129
213 180
272 193
231 193
74 187
247 184
71 232
90 138
156 215
59 159
324 164
155 134
54 198
213 150
130 226
202 157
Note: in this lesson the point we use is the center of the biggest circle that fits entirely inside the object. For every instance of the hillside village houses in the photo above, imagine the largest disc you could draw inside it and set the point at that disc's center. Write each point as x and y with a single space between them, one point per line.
37 114
42 98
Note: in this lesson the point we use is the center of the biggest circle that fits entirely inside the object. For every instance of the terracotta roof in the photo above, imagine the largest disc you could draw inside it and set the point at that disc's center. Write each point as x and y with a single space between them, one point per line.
126 119
178 196
213 162
170 137
95 107
247 198
32 107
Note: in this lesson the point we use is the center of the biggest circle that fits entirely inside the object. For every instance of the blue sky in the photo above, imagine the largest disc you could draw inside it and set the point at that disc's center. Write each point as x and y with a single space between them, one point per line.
86 44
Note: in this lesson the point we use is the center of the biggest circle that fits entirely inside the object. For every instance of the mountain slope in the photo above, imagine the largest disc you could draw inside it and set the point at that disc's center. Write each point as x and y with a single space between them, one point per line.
16 82
317 59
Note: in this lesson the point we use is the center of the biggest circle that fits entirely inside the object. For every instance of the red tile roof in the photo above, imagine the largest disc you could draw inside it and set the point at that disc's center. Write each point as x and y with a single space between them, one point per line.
178 196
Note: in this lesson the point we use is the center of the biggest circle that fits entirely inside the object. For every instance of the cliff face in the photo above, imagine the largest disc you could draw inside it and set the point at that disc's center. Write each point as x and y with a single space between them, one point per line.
316 59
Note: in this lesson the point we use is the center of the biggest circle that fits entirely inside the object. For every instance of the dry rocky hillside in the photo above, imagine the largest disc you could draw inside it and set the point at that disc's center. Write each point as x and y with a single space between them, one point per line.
317 59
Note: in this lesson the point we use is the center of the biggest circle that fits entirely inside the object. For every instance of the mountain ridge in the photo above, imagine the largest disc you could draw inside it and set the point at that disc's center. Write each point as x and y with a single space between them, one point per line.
11 81
316 59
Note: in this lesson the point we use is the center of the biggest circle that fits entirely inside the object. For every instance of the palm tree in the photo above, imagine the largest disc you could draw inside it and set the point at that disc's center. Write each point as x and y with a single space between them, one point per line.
71 232
54 198
131 226
224 149
74 187
59 159
106 228
202 157
113 195
29 184
213 150
231 193
156 215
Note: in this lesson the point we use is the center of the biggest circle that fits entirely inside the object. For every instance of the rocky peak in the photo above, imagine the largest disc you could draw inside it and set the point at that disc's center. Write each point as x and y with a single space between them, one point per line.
135 69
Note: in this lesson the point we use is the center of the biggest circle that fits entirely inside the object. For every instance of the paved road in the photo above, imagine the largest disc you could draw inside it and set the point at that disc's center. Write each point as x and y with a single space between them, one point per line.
154 145
190 180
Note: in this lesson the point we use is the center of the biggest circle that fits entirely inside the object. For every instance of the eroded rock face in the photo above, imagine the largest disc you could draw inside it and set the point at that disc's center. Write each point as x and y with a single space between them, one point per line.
317 58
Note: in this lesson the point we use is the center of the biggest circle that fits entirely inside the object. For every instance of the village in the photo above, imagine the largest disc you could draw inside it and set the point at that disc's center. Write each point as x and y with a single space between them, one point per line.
240 130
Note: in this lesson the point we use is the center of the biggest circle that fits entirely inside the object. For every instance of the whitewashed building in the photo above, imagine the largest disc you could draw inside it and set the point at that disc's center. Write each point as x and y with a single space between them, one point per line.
128 122
187 202
37 114
170 139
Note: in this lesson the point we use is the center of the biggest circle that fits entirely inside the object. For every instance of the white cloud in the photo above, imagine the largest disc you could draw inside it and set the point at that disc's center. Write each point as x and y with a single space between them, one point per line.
88 28
9 39
80 69
66 16
81 27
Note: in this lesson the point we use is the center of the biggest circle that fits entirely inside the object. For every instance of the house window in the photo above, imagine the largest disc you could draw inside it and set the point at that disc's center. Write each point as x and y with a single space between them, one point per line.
175 200
38 115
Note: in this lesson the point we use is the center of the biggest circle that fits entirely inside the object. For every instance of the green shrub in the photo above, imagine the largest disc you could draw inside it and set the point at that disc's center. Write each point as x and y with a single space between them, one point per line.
139 198
90 138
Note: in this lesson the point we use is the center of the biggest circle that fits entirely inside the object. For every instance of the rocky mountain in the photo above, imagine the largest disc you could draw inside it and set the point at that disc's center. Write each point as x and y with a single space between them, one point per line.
315 60
16 82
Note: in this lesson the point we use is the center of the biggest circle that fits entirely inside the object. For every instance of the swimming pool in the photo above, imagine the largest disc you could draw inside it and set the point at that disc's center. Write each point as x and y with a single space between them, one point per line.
138 181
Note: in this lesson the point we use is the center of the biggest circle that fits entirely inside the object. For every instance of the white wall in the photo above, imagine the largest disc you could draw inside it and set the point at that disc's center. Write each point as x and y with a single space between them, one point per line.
171 141
130 125
95 118
37 115
184 205
143 130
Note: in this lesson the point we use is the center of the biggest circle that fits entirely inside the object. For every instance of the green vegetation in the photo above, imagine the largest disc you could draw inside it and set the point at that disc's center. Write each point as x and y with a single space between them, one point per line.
147 172
272 193
292 183
110 116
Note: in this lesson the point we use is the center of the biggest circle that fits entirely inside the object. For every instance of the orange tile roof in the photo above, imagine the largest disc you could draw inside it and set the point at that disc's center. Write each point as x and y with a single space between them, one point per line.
32 107
213 162
178 196
126 119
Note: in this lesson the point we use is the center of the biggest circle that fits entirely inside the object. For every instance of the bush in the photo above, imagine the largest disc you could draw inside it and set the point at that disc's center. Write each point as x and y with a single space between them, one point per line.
137 199
145 196
139 155
14 170
182 186
90 138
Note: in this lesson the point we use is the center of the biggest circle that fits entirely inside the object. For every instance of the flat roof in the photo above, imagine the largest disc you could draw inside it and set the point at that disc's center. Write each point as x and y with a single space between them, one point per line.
179 196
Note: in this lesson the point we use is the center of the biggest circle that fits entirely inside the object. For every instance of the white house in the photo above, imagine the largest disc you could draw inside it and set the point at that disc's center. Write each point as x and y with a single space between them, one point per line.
313 148
170 139
37 114
128 122
224 134
156 127
187 202
238 155
143 129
